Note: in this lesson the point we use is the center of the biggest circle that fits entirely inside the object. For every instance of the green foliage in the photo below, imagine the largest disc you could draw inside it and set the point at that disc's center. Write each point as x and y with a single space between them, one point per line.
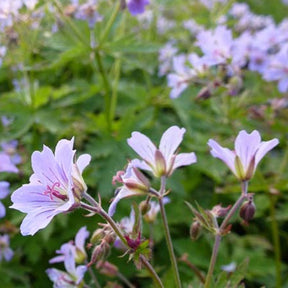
100 95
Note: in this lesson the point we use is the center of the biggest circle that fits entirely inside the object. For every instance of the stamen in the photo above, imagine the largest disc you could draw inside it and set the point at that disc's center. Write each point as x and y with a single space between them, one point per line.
51 191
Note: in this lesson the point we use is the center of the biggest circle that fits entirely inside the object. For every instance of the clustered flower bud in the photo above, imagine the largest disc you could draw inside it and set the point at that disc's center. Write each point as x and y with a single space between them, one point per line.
104 236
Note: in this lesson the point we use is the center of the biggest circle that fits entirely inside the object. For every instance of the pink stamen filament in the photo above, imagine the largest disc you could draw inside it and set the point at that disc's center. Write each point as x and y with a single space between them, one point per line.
51 191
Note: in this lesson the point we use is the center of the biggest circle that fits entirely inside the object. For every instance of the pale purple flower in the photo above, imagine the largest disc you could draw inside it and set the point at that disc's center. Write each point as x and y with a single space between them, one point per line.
5 251
78 248
249 150
73 276
258 60
55 187
179 79
162 161
134 183
4 191
88 12
165 58
136 7
6 164
216 45
277 69
238 10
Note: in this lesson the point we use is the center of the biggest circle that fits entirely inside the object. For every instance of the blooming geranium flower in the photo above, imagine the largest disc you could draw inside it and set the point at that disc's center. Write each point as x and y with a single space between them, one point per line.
78 248
70 279
249 150
134 183
5 251
55 187
4 191
162 161
136 7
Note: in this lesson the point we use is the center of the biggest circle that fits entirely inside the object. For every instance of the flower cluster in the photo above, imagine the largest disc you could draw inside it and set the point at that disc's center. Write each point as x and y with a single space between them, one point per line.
260 46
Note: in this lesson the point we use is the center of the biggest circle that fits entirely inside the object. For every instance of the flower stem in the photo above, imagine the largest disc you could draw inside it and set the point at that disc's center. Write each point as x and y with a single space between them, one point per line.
94 278
153 274
168 236
125 280
212 261
244 187
99 210
110 22
276 241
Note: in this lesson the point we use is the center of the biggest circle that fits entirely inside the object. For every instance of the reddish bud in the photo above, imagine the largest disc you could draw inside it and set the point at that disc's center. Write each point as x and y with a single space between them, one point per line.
247 210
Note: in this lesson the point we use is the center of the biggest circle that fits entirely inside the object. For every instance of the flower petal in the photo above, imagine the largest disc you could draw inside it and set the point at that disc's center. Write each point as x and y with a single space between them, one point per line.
2 210
143 146
184 159
224 154
83 161
4 189
264 148
123 193
246 146
36 220
170 141
80 238
6 164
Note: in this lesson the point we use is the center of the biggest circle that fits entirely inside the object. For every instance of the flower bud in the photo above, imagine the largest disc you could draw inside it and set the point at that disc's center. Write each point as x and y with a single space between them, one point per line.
97 236
100 252
204 93
195 230
144 207
219 211
247 210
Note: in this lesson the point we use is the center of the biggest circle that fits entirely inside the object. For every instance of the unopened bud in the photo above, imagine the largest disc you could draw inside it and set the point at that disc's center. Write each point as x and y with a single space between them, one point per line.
97 236
100 252
204 93
219 211
195 230
247 210
144 207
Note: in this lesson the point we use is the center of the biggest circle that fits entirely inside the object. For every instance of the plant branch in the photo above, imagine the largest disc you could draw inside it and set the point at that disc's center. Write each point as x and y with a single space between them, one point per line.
167 235
153 274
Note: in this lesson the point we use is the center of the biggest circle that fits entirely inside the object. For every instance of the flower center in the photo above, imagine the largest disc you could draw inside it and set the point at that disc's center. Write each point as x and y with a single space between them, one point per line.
51 191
